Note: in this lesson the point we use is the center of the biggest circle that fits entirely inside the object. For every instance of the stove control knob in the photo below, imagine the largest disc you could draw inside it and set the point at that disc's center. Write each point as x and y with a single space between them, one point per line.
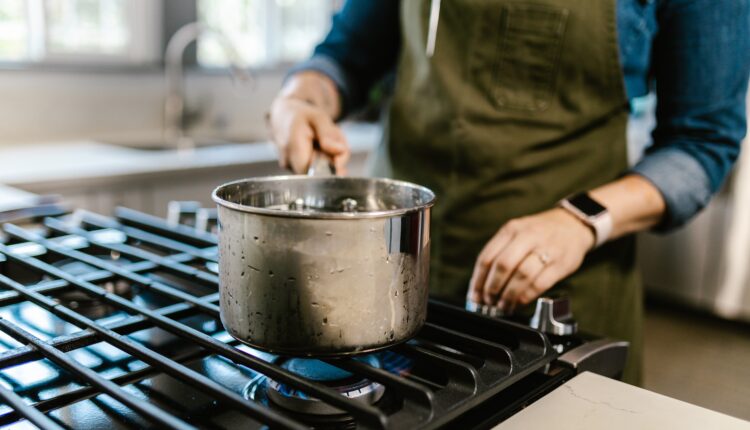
553 316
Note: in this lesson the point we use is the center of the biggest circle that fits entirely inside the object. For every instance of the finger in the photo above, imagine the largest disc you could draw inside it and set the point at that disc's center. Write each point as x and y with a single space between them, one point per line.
299 148
283 159
340 161
280 142
330 138
547 279
484 263
550 275
279 121
504 265
521 282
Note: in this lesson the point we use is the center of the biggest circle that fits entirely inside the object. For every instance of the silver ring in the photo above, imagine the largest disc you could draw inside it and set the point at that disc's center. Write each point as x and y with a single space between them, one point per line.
543 257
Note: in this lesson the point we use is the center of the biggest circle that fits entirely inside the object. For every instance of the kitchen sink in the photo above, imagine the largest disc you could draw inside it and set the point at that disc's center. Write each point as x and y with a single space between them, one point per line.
161 145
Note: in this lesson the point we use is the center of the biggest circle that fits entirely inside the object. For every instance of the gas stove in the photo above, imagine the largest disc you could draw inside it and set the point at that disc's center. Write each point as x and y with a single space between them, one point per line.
113 322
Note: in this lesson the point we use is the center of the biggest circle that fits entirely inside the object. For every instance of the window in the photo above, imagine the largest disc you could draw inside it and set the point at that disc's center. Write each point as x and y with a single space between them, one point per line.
264 32
80 31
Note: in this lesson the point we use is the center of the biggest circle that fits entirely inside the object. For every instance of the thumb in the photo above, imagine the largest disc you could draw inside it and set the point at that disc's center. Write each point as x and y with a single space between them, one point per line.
329 136
299 150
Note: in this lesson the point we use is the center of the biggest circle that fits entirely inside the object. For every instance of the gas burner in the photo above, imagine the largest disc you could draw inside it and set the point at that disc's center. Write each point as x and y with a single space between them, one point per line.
85 304
345 383
310 410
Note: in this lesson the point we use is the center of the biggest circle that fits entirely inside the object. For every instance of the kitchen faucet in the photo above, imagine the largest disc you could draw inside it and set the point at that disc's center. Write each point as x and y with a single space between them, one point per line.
175 118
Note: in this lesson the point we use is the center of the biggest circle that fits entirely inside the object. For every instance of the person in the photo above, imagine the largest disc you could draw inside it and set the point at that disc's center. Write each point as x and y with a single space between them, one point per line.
515 112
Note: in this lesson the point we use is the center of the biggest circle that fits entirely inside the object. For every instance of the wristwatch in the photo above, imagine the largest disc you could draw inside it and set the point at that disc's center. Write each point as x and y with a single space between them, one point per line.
591 213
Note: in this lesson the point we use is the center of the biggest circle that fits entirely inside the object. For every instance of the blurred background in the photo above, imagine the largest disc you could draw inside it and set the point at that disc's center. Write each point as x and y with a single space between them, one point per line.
91 109
93 67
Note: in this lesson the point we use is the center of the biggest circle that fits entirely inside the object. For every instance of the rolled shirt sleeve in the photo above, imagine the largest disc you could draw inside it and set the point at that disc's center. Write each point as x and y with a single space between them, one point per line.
361 48
701 67
331 68
681 180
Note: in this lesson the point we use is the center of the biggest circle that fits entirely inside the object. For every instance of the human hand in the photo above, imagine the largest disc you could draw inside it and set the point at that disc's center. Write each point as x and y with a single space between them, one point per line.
528 256
298 122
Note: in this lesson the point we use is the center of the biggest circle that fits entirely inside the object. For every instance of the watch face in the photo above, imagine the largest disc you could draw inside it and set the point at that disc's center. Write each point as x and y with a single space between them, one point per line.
587 205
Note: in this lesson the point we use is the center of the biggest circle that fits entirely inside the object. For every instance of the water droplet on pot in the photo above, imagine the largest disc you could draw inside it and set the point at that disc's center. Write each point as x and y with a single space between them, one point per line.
270 273
297 205
328 233
349 205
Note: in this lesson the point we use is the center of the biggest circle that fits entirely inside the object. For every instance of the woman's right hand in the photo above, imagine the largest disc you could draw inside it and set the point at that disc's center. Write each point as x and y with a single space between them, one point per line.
301 115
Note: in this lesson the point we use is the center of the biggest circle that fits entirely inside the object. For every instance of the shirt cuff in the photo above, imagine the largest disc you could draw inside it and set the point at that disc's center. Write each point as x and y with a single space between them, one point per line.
682 182
333 70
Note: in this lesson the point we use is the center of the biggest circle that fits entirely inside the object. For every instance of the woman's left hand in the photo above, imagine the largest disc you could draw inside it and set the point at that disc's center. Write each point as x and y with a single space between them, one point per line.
527 256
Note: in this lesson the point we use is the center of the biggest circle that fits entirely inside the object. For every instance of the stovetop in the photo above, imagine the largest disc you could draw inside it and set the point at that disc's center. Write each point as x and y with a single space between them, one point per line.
113 322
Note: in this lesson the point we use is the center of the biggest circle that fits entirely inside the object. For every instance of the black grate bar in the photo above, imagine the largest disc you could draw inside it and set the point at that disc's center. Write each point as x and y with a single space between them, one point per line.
165 262
467 342
420 394
464 376
152 223
32 414
155 359
369 415
12 297
99 221
85 338
105 385
87 392
137 278
8 298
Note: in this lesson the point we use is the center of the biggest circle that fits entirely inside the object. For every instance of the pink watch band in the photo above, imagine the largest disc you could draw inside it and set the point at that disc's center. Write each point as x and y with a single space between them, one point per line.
600 223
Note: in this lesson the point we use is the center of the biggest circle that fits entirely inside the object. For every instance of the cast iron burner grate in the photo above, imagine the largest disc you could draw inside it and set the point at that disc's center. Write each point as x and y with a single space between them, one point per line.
163 360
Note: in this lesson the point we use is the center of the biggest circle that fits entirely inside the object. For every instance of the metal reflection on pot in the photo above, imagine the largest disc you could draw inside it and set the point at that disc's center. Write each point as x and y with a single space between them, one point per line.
317 279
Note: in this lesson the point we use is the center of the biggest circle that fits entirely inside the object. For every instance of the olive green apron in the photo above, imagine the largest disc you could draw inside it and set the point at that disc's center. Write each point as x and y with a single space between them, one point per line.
521 104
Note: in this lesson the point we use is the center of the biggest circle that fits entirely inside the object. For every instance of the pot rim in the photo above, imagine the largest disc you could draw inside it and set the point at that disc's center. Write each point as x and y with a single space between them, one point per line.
323 215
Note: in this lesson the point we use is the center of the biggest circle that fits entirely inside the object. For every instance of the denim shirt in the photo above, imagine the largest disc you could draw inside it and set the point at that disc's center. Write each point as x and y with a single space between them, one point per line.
695 54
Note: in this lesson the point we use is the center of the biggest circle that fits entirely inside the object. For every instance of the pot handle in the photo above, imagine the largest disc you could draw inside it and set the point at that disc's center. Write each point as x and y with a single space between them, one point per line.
320 165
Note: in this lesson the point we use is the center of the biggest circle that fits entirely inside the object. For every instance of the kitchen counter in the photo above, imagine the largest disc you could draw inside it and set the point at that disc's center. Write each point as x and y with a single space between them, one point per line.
60 165
12 198
591 401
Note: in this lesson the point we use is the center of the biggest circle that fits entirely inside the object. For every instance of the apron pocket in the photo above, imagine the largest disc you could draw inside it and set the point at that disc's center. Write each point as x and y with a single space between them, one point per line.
519 71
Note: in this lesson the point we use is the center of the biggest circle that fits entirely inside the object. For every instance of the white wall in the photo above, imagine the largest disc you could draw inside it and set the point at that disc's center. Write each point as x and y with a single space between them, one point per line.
42 106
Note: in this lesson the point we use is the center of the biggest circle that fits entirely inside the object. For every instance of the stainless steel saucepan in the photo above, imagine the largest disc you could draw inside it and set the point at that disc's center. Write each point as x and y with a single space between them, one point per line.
323 266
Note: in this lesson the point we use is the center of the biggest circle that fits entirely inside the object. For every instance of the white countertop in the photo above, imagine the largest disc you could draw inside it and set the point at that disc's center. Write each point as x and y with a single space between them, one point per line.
591 401
12 198
61 162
